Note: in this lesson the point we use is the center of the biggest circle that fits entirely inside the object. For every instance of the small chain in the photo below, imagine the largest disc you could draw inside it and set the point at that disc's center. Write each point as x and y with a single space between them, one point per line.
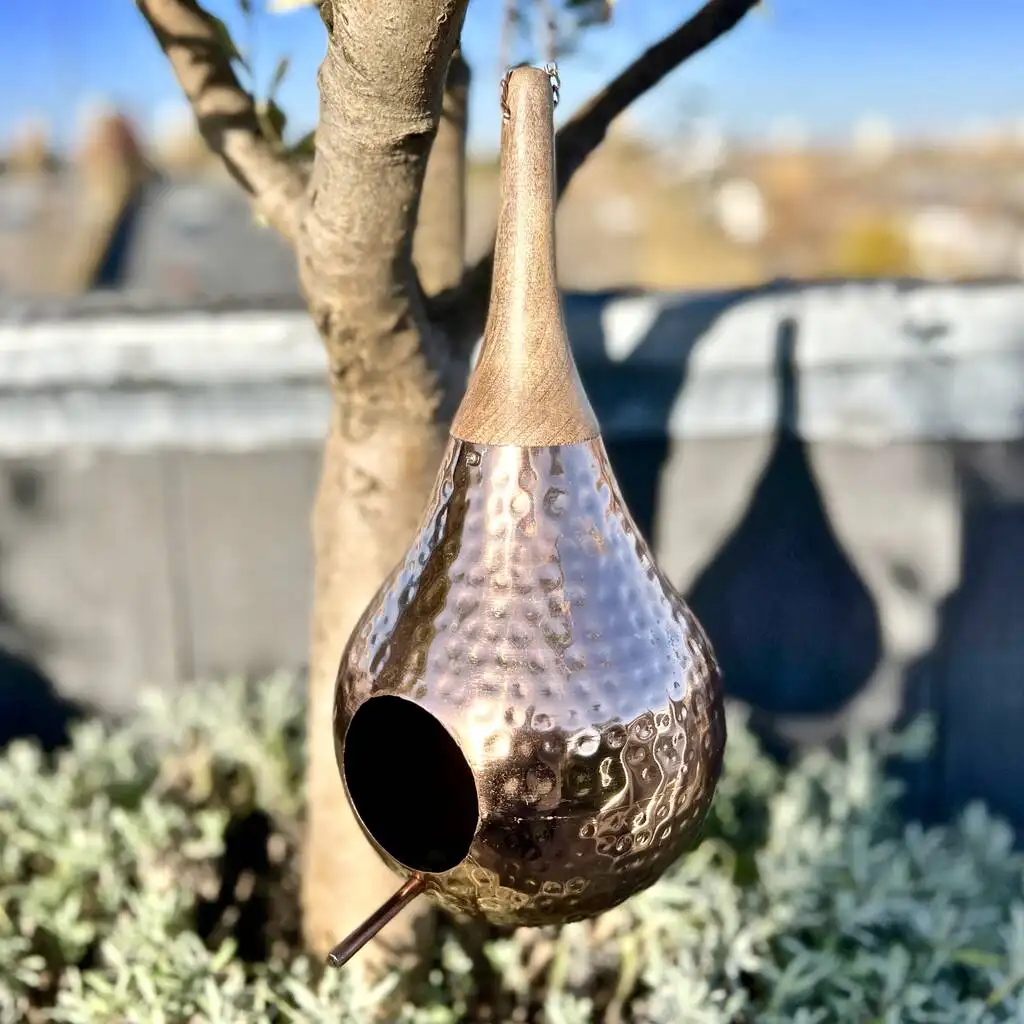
556 82
552 73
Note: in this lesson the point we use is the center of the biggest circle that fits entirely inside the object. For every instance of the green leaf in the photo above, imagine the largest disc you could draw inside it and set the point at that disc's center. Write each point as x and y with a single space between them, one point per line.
227 44
592 12
246 6
1005 990
306 146
280 72
272 120
977 958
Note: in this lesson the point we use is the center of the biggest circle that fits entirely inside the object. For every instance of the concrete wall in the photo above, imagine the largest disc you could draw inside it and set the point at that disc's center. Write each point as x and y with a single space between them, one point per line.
833 474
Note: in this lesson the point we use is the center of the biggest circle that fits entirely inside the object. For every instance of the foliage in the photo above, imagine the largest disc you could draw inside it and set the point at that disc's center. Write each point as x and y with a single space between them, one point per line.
138 866
873 247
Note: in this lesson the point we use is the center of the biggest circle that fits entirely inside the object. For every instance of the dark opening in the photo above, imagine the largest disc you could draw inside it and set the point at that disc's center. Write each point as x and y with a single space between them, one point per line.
410 784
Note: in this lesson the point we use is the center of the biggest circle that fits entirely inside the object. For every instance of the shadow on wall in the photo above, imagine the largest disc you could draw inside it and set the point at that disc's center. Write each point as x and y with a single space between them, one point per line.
112 263
30 706
796 626
783 596
655 371
794 623
977 662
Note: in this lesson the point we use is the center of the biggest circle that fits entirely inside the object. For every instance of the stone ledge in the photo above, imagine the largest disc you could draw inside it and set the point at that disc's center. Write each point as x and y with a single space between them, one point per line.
874 362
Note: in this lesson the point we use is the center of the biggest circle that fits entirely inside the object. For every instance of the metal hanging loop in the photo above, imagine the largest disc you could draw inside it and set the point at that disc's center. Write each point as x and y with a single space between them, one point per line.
551 69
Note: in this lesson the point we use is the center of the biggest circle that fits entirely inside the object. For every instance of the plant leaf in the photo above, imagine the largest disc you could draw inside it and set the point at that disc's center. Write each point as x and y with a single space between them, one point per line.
306 146
272 120
227 44
280 72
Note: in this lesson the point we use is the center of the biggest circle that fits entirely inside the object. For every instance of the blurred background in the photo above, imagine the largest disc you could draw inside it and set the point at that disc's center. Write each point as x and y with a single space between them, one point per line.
853 139
793 284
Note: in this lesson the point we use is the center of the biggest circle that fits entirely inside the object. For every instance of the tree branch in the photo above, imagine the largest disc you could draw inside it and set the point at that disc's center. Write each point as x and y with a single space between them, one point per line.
381 89
192 40
586 129
463 310
439 245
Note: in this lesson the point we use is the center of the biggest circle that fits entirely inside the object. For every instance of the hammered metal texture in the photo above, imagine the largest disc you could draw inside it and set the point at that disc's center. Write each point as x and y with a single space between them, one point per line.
530 618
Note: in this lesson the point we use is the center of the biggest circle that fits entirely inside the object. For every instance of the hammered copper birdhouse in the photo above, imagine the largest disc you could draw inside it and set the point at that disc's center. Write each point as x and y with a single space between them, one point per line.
528 719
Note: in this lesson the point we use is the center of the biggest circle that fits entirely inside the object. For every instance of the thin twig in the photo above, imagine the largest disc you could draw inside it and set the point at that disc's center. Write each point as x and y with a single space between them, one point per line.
439 243
586 129
549 31
193 42
461 311
509 24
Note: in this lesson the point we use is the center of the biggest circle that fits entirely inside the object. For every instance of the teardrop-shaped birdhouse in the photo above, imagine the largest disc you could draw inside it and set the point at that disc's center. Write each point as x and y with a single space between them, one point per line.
528 718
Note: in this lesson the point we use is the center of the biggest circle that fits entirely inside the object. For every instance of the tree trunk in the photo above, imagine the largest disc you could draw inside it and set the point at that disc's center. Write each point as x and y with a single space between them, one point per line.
393 383
370 499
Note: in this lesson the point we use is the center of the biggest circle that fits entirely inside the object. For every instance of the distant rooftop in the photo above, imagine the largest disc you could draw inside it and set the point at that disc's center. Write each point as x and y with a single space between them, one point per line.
183 234
187 240
200 239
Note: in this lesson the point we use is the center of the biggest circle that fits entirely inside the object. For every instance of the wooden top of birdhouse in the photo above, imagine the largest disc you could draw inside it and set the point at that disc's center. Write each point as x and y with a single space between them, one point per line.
525 389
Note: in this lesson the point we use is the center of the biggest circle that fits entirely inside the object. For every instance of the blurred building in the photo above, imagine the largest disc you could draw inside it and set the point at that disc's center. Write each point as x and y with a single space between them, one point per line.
153 216
152 211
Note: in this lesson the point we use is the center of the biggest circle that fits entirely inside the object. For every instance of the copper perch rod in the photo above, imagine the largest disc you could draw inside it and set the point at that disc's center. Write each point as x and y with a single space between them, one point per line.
355 940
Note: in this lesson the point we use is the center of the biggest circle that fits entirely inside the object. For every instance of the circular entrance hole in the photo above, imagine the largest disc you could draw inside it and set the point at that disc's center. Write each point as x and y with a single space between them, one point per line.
410 784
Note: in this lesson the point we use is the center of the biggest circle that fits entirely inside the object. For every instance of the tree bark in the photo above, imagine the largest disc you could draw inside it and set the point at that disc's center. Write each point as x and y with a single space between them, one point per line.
367 508
390 375
439 244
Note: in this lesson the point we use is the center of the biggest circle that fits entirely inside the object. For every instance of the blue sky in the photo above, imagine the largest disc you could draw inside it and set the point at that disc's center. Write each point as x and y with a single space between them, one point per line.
930 66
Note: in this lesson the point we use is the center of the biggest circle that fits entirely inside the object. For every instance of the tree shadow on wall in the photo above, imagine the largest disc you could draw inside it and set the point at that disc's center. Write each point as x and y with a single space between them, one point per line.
30 705
974 672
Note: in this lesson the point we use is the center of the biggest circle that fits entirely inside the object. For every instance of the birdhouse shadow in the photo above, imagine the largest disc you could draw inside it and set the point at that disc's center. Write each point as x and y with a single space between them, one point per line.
794 625
31 707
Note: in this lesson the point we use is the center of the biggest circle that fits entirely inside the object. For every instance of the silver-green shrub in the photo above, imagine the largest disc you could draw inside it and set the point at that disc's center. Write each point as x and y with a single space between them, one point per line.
808 903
